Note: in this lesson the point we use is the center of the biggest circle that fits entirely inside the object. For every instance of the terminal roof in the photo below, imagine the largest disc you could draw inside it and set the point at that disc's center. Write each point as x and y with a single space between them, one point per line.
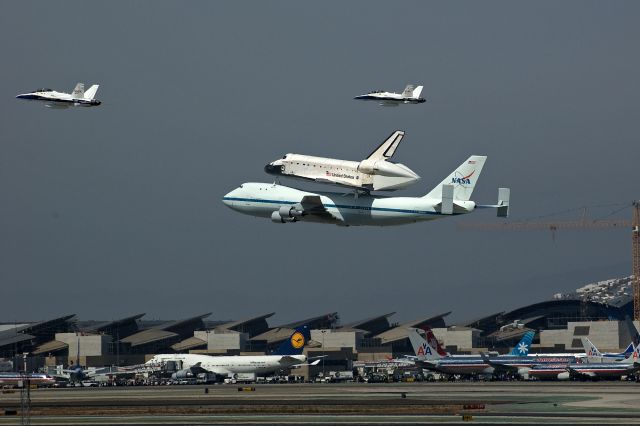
400 332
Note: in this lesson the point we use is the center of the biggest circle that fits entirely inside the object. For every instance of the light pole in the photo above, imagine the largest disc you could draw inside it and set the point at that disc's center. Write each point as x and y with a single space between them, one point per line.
323 332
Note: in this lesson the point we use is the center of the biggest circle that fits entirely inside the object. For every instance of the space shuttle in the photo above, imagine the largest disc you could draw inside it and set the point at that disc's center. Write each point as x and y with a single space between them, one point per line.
375 173
54 99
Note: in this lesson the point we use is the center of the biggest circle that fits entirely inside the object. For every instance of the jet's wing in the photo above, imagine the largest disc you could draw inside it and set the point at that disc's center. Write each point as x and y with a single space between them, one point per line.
577 373
497 365
288 361
312 205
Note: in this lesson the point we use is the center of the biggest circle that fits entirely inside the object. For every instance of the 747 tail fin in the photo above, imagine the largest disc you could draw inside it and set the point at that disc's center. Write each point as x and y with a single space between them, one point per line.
463 179
295 343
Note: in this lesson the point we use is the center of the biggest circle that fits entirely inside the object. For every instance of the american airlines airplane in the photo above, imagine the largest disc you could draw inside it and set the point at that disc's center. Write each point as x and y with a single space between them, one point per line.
283 204
14 379
288 355
430 355
375 172
410 95
55 99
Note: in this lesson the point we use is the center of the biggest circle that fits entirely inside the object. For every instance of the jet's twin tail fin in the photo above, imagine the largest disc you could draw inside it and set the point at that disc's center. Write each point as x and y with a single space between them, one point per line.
412 91
78 91
295 343
408 91
91 93
463 179
523 347
387 148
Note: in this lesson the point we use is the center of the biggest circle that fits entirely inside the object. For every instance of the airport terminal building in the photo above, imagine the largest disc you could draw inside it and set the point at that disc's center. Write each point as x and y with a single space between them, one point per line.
559 324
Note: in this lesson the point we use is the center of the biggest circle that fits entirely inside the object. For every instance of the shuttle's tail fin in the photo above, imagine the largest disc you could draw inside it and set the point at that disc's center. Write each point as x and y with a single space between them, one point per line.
589 348
523 347
387 148
417 91
463 179
295 343
408 91
91 93
78 91
426 349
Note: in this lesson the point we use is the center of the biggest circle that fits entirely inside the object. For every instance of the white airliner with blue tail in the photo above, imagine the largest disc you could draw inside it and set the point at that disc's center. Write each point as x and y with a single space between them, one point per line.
283 204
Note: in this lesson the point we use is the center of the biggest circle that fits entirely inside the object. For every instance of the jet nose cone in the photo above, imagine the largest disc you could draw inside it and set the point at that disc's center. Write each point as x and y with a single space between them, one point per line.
231 198
272 169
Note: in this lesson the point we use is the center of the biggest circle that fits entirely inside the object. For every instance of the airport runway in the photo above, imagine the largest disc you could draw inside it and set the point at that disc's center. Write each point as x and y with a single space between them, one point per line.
406 403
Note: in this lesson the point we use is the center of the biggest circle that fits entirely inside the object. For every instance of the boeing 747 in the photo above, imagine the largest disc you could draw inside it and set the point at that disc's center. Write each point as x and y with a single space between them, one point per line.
283 204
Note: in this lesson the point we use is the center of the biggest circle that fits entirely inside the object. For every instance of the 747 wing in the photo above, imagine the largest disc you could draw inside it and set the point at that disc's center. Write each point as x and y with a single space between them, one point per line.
309 208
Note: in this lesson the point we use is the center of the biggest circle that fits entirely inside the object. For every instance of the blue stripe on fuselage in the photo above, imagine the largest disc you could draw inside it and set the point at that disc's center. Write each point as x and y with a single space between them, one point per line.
338 206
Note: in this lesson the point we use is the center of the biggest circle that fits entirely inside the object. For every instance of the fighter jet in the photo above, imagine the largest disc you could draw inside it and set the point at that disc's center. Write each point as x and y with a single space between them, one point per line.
55 99
283 204
410 95
373 173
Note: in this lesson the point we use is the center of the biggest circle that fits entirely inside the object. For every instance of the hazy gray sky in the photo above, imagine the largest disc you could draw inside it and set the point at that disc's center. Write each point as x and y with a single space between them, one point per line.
116 210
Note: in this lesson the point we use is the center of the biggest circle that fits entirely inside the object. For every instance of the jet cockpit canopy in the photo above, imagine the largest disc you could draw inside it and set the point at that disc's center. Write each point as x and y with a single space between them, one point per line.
43 90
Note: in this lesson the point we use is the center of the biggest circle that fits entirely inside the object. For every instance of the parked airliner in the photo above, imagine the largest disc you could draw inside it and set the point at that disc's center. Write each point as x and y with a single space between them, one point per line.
410 95
288 355
373 173
54 99
284 204
430 355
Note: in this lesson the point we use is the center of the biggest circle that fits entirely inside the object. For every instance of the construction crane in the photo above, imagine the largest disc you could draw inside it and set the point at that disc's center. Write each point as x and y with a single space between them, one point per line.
584 223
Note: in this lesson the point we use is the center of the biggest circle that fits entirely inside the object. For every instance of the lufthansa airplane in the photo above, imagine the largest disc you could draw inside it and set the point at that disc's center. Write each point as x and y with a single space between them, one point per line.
53 99
283 204
288 355
410 95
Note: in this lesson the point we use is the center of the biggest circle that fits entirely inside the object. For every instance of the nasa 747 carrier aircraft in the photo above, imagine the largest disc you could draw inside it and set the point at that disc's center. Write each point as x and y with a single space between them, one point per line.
283 204
373 173
55 99
410 95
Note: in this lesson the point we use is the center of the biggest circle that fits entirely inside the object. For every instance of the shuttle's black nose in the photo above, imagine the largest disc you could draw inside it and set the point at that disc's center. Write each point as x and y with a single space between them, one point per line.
271 169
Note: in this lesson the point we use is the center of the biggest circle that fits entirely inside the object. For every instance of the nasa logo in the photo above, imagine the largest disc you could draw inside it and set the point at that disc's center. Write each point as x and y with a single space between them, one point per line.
297 340
463 180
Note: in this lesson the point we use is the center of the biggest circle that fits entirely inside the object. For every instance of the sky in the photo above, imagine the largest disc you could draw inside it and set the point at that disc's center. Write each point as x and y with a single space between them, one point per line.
116 210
